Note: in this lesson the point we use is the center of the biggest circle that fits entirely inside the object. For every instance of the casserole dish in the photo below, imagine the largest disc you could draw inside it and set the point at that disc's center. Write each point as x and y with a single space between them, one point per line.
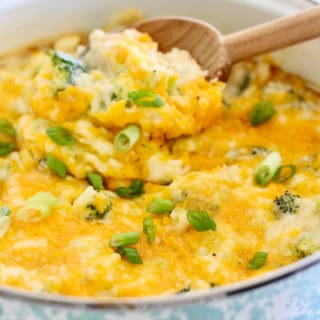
279 294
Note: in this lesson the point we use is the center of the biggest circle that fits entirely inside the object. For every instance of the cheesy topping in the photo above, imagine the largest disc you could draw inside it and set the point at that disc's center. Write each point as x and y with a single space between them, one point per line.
124 172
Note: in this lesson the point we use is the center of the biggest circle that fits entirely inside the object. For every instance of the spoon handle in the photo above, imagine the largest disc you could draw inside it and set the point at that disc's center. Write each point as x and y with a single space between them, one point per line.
273 35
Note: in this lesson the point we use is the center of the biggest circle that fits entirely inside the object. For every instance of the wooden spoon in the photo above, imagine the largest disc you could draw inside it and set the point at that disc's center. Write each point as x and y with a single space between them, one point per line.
216 53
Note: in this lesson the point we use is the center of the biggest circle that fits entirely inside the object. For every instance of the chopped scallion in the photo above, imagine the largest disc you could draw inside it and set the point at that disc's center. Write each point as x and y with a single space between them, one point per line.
149 229
133 191
160 206
279 177
42 203
6 148
131 254
7 127
4 211
96 180
261 112
124 239
268 168
61 136
201 220
57 166
127 138
171 84
245 82
258 261
45 198
145 98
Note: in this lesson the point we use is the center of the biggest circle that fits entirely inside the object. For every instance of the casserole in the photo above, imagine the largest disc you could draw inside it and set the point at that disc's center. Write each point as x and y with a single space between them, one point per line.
177 300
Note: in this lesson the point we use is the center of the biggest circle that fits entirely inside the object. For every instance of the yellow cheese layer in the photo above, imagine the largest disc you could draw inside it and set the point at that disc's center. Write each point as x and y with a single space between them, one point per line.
198 150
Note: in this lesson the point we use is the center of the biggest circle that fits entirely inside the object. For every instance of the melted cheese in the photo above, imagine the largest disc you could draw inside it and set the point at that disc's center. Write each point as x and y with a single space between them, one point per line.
198 150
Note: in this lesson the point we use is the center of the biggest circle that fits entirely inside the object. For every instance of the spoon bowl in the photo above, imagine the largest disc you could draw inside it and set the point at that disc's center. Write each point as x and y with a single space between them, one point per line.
216 53
202 40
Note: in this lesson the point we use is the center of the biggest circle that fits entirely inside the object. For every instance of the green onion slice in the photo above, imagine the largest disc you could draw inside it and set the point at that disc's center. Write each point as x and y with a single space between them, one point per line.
44 198
61 136
6 148
171 84
4 211
261 112
127 138
160 206
7 127
133 191
245 83
42 201
96 180
131 254
268 168
201 220
145 98
124 239
258 261
278 177
57 166
149 229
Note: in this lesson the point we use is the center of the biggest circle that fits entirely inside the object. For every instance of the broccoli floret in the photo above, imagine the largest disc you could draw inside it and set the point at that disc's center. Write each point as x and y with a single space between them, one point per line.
306 246
93 204
94 213
66 68
287 203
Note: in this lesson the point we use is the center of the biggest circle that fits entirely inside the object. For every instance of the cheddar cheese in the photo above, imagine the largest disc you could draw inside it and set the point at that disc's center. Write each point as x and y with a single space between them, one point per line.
125 172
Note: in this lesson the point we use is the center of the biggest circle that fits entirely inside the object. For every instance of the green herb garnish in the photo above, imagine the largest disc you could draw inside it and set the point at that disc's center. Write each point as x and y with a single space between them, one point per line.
245 83
268 168
160 206
124 239
61 136
261 112
7 127
57 166
145 98
133 191
171 84
258 261
149 229
4 211
201 220
279 177
131 254
127 138
6 148
96 180
41 201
